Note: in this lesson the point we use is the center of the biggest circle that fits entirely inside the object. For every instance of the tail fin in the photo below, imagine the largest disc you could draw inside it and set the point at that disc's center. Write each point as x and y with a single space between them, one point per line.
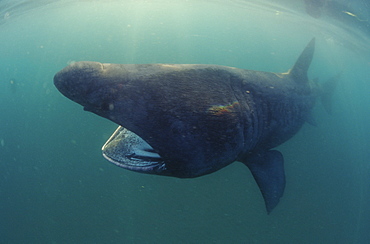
300 68
327 90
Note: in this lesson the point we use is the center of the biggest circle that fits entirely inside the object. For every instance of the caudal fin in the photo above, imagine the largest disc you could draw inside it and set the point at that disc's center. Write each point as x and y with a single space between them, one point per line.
327 90
300 68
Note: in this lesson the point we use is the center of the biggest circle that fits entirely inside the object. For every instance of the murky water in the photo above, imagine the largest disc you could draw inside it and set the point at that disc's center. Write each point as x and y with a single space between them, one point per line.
55 187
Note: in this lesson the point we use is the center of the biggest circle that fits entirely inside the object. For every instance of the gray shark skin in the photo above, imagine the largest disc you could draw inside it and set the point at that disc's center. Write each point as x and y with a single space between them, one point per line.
189 120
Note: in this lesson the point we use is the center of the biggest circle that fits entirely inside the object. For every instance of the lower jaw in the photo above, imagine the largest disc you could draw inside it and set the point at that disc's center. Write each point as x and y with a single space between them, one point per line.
127 150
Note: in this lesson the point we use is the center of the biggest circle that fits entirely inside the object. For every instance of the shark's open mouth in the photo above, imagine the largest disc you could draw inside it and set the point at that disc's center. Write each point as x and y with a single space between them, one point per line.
127 150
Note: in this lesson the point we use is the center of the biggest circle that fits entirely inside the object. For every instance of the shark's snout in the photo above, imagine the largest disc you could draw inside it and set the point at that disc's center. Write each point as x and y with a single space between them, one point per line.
77 79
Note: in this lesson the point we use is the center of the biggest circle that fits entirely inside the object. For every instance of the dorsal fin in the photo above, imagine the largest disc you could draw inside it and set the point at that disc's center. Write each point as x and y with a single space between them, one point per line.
300 68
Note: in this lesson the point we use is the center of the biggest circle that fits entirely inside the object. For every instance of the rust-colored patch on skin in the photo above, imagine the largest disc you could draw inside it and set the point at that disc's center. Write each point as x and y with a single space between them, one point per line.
221 110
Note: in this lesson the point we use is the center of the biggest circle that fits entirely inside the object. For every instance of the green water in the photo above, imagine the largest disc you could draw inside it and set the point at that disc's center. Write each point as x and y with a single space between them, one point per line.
55 187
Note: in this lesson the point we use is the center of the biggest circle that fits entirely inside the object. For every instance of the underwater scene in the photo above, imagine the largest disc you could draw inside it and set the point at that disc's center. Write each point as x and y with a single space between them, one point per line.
57 187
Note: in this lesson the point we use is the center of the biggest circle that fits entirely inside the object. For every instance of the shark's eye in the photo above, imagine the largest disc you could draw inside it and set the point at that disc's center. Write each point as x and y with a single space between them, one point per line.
107 106
104 106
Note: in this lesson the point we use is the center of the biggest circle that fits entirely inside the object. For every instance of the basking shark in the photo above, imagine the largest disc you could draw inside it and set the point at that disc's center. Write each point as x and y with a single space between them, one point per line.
189 120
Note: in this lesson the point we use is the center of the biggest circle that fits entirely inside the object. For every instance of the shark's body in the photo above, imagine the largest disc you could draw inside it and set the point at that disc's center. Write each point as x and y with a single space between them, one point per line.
190 120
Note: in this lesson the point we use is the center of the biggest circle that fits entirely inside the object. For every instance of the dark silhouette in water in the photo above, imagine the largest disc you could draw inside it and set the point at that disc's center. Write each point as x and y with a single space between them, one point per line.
314 7
187 120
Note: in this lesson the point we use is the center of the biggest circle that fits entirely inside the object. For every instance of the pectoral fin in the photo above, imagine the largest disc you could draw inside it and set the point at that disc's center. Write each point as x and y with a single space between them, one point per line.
267 169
